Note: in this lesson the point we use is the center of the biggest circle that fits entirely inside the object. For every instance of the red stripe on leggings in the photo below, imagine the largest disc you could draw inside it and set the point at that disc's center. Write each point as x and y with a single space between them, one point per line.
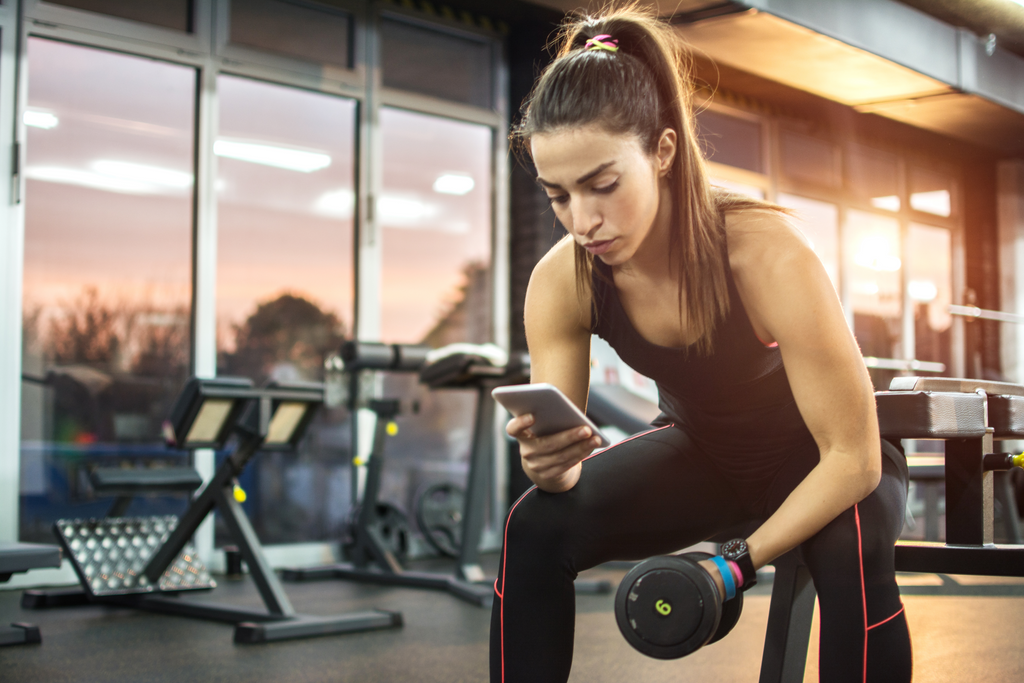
504 541
885 621
863 590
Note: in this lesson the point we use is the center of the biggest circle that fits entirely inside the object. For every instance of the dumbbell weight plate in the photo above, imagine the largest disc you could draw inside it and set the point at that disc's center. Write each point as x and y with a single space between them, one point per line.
667 607
731 609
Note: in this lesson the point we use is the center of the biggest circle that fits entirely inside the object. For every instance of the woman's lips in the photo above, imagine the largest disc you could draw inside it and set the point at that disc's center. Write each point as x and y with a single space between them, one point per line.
599 247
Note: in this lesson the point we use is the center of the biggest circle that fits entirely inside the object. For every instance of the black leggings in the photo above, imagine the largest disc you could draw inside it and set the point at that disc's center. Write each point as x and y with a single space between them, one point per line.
657 493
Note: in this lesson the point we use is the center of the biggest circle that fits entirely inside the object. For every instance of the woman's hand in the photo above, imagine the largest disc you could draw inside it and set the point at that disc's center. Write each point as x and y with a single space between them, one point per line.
552 462
712 569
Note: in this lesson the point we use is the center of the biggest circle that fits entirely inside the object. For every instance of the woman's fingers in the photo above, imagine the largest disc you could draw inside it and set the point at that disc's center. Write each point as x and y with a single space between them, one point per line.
558 452
518 427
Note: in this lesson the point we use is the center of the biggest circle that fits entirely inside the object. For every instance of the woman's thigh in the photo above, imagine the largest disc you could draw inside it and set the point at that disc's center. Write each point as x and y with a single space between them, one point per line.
652 494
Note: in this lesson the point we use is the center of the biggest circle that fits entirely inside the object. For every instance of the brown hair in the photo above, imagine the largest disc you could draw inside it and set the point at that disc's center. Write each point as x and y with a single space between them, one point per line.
642 89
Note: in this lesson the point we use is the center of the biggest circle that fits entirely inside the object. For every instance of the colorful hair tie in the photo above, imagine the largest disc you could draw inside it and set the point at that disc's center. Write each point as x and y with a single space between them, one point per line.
602 42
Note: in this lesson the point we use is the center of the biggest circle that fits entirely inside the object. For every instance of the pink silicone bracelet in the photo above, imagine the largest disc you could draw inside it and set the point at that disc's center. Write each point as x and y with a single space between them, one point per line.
736 572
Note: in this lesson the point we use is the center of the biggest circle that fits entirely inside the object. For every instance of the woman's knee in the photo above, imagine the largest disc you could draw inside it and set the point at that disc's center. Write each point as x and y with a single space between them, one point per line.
539 521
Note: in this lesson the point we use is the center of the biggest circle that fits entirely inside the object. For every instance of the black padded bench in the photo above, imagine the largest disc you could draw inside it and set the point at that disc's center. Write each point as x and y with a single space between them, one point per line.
127 483
968 415
16 558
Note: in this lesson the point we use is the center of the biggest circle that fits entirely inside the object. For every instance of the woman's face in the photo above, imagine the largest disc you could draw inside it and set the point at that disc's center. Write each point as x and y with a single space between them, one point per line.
607 192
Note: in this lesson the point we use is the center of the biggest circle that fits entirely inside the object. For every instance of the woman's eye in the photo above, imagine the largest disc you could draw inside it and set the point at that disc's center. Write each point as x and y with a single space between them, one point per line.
607 189
559 199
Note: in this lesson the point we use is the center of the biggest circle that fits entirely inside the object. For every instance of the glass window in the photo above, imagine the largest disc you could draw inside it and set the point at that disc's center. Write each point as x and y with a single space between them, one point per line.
931 192
436 217
322 35
819 221
176 14
871 177
107 281
730 140
435 63
809 159
930 289
872 259
285 281
435 211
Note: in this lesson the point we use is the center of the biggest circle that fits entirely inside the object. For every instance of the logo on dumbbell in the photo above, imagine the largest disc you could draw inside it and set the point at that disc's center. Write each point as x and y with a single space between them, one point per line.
663 607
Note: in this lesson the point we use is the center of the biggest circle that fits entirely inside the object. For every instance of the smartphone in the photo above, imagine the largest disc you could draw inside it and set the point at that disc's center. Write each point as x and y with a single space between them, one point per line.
552 411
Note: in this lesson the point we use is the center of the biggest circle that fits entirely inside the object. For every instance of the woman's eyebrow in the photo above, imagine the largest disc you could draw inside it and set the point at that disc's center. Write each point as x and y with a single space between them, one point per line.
579 181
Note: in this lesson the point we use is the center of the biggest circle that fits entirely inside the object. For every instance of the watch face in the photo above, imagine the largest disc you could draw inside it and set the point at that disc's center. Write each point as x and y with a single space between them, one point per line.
734 548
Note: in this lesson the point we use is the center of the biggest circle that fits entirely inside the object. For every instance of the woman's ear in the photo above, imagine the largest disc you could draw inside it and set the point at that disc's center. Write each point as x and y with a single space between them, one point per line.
666 153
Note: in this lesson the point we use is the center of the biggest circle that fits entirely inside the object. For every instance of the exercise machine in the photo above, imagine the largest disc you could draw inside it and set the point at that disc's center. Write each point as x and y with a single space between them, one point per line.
372 551
147 563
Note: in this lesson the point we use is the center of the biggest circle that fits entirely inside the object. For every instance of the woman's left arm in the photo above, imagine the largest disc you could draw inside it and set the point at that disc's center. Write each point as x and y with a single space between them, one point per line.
790 299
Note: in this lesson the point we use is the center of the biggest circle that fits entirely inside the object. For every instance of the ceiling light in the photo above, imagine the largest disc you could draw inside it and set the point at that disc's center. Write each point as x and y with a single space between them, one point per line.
126 170
337 203
40 119
401 210
96 181
453 183
270 155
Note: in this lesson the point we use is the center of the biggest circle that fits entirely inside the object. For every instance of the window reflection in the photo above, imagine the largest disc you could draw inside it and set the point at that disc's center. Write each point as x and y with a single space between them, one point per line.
107 281
809 159
318 34
435 283
437 63
285 278
931 192
731 140
871 247
173 14
872 177
819 222
930 289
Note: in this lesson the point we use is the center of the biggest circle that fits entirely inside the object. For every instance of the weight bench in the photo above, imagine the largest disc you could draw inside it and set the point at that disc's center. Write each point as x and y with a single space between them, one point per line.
16 558
967 415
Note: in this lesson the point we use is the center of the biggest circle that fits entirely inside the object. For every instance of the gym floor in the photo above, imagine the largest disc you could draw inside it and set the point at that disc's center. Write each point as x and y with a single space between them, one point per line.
964 629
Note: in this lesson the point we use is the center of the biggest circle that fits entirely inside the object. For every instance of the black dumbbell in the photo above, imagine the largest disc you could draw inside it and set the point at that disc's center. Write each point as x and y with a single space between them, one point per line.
668 607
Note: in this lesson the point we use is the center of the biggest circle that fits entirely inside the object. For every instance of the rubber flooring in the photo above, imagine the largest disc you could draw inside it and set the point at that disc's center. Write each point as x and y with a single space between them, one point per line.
964 629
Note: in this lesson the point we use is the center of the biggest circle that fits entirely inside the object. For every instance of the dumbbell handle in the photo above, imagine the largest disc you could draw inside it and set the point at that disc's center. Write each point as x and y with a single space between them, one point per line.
1002 461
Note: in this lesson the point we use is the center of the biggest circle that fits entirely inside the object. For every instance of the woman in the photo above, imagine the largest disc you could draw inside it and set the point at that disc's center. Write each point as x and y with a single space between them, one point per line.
768 412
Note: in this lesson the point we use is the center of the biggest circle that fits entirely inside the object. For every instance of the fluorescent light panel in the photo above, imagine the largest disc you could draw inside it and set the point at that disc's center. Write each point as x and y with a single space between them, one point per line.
40 119
454 183
96 181
270 155
126 170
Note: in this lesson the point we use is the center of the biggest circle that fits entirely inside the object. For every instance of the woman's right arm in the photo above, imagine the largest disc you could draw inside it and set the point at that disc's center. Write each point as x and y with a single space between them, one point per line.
558 335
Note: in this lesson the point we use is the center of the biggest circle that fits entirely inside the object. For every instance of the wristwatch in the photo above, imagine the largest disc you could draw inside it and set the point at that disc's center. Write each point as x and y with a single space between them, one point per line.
736 551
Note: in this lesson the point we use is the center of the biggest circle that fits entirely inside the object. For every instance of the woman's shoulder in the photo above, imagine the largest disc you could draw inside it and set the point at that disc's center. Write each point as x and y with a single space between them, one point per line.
760 236
553 282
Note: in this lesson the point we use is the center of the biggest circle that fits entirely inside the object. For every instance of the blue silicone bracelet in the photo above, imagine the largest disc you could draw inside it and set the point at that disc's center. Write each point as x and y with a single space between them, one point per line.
726 572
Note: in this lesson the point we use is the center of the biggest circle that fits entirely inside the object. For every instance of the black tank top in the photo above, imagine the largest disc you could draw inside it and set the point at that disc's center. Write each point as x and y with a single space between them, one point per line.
736 403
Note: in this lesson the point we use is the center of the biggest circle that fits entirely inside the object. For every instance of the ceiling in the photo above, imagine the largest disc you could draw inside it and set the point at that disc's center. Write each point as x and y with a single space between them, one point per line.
901 65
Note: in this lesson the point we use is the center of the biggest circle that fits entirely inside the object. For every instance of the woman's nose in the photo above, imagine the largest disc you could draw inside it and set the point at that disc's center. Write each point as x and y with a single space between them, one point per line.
584 218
